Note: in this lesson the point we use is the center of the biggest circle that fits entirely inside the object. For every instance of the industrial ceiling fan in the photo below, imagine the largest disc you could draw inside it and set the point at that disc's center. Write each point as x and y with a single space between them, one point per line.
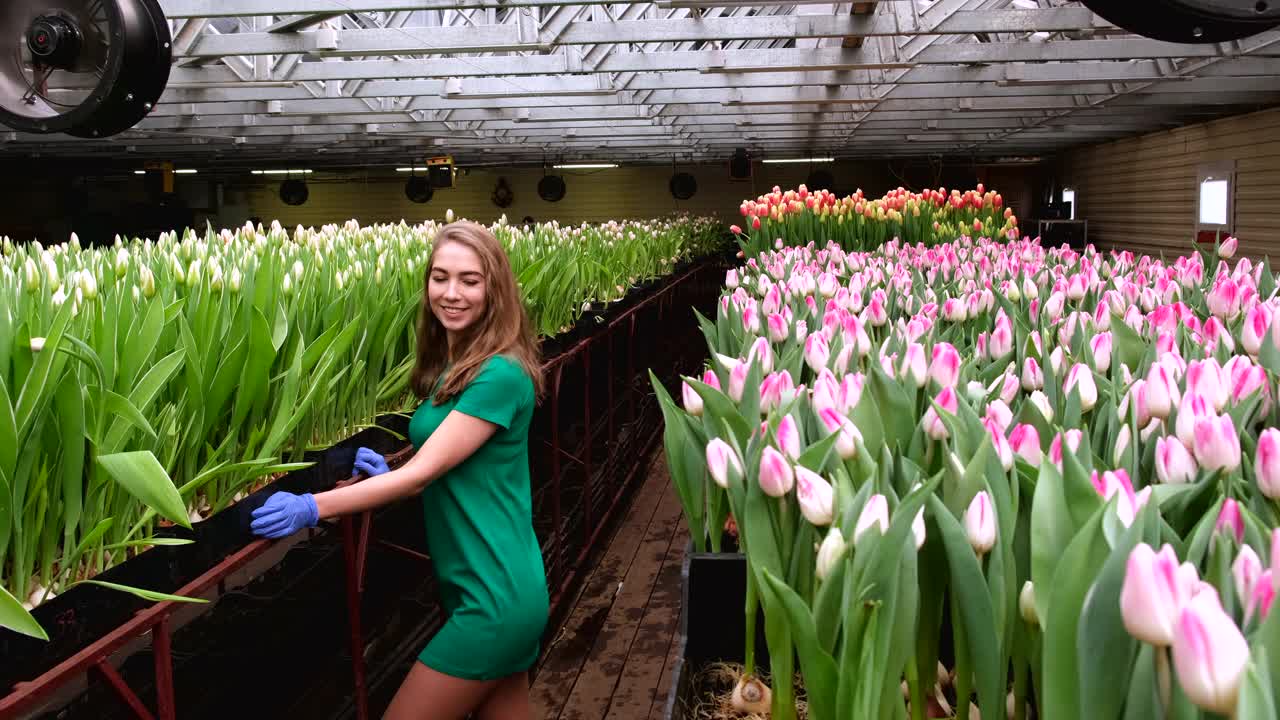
1190 21
87 68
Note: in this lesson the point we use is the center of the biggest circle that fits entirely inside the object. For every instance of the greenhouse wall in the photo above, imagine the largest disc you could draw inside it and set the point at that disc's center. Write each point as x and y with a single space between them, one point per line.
1141 193
114 200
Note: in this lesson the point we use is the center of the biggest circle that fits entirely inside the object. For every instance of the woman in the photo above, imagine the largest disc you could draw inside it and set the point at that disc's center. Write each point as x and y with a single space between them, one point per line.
478 365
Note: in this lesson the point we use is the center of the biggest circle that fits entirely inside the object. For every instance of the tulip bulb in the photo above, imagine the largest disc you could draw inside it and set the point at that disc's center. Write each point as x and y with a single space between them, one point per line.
751 696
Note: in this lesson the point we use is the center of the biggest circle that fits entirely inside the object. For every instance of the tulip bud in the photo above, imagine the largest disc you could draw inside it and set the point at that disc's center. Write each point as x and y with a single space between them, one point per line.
1032 375
776 476
737 380
918 529
778 330
762 353
1216 444
1154 590
945 368
88 286
1230 520
1001 342
1100 347
980 523
1174 465
1041 401
850 436
816 352
723 463
830 552
1227 249
1245 571
1257 324
1192 408
1027 604
692 400
1122 445
1080 377
933 425
1266 465
875 512
1206 378
816 497
913 365
37 344
788 435
1209 654
1025 442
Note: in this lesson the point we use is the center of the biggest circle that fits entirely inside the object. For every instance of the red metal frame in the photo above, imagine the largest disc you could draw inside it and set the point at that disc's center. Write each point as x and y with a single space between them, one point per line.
156 618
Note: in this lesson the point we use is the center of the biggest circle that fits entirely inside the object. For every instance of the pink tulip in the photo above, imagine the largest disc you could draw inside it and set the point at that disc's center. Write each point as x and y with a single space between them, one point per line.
850 392
776 477
710 378
1264 594
999 442
1000 413
1155 589
1001 342
692 400
1174 465
1192 409
847 444
778 330
1216 444
874 513
1245 571
843 358
731 277
1227 248
1053 306
816 497
1206 377
1266 464
816 352
1209 654
1117 484
933 425
1080 377
1224 298
826 391
980 523
1041 403
1230 520
751 319
1162 391
954 310
802 330
877 316
1257 323
1247 380
737 380
855 335
761 353
723 463
945 368
1100 348
1032 375
1025 442
788 434
913 365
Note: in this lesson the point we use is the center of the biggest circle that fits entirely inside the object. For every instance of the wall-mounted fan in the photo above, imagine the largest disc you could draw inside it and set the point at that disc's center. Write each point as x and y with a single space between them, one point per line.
1190 21
551 188
294 191
502 195
88 68
418 189
682 186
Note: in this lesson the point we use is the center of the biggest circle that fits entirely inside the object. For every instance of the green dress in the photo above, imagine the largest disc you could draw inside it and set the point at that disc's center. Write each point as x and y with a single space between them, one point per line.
480 534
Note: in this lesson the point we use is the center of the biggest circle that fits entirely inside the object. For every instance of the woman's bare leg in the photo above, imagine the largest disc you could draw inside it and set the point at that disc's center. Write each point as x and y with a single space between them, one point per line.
508 701
428 694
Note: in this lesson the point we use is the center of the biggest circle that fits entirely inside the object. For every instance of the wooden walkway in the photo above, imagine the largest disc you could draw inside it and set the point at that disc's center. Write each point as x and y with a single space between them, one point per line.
613 656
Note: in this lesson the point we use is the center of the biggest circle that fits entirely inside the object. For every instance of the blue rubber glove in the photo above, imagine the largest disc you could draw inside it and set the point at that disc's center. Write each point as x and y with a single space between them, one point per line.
284 514
370 462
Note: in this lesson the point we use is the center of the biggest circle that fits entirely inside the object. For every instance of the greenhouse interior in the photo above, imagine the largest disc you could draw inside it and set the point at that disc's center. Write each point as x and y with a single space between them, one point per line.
444 359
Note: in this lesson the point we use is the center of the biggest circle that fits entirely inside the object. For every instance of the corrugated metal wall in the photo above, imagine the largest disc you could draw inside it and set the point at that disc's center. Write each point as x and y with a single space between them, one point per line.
591 195
1141 193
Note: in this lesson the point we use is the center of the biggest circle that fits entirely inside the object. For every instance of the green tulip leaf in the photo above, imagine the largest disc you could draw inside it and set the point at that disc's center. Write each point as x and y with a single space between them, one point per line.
143 477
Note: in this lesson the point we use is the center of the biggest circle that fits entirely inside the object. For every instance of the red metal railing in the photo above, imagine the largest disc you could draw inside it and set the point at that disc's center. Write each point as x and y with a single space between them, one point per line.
700 283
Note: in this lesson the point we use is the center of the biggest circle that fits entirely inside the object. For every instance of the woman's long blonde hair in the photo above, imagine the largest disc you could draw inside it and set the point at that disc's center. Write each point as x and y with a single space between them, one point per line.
504 328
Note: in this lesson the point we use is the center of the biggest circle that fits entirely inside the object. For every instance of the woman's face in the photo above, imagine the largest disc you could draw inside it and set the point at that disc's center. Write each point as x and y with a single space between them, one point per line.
456 287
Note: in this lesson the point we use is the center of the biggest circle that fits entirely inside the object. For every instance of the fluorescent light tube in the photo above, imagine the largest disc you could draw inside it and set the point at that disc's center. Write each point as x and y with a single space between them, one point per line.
187 171
799 160
281 172
585 166
139 172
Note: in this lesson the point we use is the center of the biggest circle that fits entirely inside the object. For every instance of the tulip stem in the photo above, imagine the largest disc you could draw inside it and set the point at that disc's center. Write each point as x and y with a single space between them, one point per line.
916 690
1020 670
749 655
1163 680
964 681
